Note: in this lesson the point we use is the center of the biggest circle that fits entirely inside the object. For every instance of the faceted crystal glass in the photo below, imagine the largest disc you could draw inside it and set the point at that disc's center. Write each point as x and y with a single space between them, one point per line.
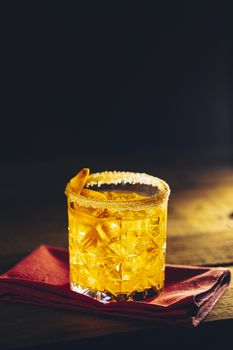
117 246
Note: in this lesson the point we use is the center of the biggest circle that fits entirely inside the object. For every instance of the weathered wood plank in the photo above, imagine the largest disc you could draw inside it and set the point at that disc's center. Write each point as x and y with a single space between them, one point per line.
27 325
201 210
200 232
200 225
201 249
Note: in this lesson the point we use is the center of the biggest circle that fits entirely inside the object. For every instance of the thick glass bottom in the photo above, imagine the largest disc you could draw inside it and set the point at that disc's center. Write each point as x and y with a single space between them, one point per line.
106 296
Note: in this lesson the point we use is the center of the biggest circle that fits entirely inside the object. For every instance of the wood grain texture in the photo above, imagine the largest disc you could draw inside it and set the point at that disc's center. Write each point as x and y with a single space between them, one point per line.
33 325
200 221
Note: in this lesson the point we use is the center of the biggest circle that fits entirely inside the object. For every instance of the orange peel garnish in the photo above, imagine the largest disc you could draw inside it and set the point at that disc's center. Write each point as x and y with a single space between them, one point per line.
86 192
77 183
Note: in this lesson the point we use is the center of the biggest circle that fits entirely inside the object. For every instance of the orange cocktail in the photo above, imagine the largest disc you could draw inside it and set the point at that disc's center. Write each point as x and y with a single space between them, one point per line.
117 234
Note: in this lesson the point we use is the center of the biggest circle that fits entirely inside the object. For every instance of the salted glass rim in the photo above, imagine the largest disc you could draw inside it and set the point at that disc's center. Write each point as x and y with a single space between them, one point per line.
117 178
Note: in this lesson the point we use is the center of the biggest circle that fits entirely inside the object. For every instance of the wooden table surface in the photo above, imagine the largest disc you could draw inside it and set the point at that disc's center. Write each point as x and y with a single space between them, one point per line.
200 232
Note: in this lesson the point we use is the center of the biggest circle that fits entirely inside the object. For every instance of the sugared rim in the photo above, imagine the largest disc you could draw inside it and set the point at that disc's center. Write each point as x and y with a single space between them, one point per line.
122 177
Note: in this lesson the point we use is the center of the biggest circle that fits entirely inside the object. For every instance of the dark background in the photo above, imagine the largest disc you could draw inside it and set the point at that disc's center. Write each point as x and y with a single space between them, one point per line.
106 79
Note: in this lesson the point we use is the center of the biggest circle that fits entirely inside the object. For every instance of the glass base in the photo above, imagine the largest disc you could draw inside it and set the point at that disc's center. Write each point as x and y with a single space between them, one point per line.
107 296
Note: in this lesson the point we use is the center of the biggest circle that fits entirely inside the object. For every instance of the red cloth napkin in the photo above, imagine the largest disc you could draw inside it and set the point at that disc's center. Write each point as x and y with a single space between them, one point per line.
43 278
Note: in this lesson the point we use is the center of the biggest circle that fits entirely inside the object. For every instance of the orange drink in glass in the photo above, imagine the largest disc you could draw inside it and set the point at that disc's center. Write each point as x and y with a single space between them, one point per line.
117 235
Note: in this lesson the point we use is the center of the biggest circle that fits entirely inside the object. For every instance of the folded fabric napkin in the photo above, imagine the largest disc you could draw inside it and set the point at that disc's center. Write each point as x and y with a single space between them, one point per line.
43 278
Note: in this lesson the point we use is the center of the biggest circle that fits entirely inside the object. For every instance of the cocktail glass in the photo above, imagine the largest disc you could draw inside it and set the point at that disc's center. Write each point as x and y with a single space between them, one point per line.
117 246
